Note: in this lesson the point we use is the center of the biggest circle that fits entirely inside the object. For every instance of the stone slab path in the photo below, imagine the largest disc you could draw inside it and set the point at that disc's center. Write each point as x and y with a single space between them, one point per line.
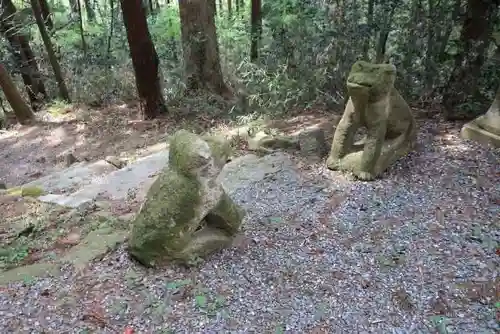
116 185
83 184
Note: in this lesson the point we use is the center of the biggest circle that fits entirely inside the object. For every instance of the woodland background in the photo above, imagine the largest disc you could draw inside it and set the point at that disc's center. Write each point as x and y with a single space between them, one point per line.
271 57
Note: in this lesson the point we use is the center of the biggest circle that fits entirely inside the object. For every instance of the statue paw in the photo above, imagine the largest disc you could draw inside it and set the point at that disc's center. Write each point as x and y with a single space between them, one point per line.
333 164
364 176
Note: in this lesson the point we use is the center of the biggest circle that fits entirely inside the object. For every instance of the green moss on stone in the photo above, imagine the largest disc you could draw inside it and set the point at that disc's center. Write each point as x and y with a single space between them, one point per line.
169 226
375 104
162 226
221 148
28 191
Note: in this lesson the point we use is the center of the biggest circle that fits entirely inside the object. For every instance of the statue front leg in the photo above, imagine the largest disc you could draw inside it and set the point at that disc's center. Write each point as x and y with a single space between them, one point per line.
203 243
371 152
217 231
343 139
226 216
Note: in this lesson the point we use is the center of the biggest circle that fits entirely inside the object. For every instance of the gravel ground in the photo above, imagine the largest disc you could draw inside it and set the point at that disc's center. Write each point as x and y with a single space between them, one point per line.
320 253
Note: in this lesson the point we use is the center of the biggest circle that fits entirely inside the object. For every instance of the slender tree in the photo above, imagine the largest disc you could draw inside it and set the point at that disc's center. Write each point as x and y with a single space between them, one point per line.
47 18
82 31
23 112
389 9
367 37
73 6
256 20
90 11
229 8
144 59
63 90
23 53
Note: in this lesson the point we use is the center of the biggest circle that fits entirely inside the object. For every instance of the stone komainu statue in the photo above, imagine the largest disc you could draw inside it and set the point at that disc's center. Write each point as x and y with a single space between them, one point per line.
187 215
485 129
375 104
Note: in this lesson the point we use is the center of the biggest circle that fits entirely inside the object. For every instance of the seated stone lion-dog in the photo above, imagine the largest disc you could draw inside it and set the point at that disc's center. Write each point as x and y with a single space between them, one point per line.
187 215
375 104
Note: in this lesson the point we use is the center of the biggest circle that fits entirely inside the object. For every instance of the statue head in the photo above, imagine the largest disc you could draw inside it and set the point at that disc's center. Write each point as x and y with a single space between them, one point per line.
192 155
377 80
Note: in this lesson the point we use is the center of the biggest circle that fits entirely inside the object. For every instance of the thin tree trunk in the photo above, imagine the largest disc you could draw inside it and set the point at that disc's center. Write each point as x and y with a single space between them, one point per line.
445 37
151 9
44 6
368 36
30 73
200 47
73 6
90 11
413 50
229 8
256 21
82 32
144 59
111 28
63 90
23 112
384 34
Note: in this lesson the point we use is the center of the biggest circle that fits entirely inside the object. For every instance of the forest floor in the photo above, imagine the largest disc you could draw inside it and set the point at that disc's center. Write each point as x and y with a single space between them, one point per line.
90 134
416 251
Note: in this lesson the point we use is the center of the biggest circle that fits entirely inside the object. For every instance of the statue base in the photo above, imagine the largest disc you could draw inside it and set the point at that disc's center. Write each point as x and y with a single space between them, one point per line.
473 132
392 151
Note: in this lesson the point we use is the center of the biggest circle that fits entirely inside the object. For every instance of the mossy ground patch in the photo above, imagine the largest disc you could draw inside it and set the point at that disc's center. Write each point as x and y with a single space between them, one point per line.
33 232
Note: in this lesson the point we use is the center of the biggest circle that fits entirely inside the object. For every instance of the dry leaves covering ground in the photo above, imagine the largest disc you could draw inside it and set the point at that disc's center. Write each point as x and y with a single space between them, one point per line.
88 134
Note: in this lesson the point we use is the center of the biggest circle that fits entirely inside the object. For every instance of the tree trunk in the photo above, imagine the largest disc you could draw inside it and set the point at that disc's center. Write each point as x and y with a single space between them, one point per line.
30 73
413 49
90 11
63 90
151 8
73 6
144 59
444 37
229 8
21 109
429 73
44 6
384 34
82 32
200 47
474 42
369 23
111 29
256 30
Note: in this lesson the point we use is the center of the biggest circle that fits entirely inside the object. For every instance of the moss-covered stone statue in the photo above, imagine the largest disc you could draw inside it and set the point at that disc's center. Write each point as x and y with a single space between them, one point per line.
187 215
375 104
485 129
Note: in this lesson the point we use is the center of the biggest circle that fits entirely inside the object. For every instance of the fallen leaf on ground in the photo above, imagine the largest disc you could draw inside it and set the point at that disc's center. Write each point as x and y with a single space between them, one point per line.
128 330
